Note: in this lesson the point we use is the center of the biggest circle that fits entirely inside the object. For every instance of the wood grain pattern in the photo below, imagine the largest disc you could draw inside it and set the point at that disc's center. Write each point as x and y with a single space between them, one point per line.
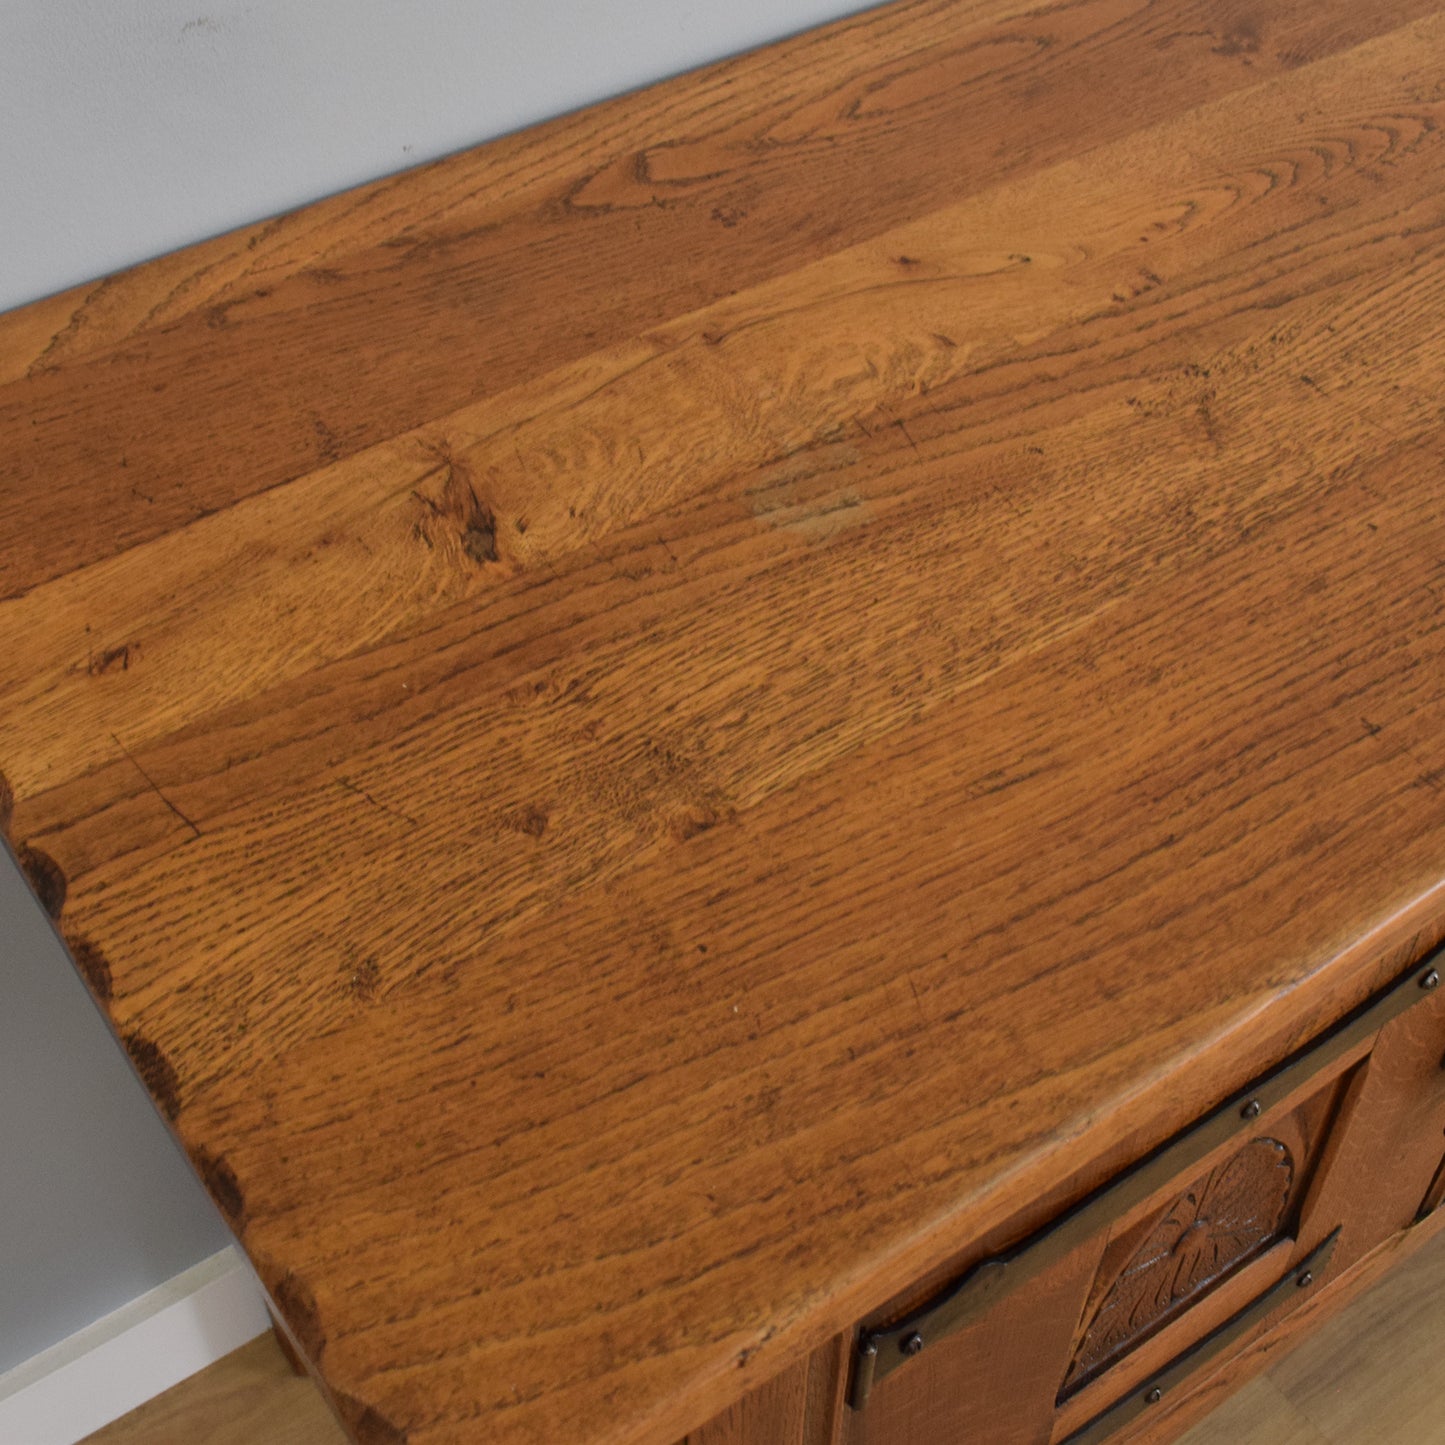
1377 1371
1258 1415
992 1381
802 1406
1378 1355
651 730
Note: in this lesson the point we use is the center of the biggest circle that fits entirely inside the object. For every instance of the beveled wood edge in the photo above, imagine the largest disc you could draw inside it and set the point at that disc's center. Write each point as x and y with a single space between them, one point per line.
1210 1137
1131 1128
151 1069
1108 1142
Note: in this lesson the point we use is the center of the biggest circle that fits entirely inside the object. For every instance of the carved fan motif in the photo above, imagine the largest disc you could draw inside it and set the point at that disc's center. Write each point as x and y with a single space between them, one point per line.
1213 1226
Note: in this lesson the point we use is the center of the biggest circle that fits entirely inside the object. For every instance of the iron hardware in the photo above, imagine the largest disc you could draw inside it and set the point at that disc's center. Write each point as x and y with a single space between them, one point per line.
881 1351
1154 1390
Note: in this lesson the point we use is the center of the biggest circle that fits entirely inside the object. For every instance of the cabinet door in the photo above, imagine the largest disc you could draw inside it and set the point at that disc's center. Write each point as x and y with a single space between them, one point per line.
1221 1231
994 1378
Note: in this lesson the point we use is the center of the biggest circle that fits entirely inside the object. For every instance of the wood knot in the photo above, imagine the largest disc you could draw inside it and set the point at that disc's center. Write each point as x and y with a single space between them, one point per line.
697 818
223 1186
113 659
479 541
157 1073
531 820
453 512
297 1306
92 964
367 1424
45 877
363 979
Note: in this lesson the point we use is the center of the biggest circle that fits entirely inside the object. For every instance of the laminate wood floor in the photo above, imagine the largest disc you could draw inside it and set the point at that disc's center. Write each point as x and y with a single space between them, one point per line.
1372 1376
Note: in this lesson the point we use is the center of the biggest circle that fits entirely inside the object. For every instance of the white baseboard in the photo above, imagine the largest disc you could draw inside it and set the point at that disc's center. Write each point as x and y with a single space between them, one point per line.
70 1390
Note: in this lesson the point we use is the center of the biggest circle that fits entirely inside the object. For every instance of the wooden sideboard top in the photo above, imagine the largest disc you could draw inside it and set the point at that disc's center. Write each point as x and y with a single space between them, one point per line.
647 730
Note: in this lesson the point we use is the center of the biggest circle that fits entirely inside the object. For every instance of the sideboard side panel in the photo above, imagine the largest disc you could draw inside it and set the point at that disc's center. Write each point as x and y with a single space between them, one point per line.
1390 1137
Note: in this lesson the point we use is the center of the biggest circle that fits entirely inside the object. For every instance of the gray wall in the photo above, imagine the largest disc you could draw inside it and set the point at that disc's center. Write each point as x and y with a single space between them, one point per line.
134 126
131 127
97 1205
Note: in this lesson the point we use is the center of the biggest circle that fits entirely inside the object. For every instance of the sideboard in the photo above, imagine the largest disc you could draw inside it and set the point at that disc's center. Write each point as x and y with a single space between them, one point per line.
766 765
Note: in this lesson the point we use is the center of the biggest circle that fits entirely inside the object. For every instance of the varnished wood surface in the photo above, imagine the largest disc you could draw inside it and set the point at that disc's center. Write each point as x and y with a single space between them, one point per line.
648 731
1370 1376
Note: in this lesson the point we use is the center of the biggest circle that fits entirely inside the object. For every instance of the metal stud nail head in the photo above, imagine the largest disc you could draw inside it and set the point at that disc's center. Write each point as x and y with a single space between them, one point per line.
1431 979
1154 1396
1252 1110
1306 1279
912 1344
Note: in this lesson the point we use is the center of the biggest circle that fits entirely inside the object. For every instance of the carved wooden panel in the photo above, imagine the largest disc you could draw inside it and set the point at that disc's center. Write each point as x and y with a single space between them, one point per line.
1193 1241
1211 1228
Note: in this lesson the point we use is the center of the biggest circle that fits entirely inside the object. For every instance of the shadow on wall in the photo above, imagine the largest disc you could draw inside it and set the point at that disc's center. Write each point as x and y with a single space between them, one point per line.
97 1203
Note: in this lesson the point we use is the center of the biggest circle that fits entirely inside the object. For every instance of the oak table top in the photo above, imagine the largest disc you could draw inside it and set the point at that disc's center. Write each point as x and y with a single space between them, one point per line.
648 728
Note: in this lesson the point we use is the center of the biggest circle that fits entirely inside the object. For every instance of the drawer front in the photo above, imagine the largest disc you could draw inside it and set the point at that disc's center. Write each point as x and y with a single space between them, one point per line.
1177 1272
1170 1266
